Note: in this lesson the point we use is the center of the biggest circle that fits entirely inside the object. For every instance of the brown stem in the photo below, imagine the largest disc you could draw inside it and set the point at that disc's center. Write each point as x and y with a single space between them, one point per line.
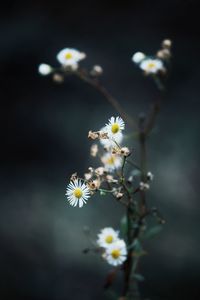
98 86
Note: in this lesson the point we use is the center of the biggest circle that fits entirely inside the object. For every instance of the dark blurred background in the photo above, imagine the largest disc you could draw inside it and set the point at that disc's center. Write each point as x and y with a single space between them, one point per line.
44 139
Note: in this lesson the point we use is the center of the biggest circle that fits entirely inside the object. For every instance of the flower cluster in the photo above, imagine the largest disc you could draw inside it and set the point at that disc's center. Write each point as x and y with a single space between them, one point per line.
105 178
69 60
156 64
114 248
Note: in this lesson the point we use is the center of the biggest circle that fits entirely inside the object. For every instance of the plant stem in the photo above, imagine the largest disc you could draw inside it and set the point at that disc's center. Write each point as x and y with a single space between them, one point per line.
98 86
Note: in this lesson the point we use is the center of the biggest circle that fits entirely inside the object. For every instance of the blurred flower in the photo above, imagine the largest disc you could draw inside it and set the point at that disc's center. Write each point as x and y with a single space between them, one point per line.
150 176
138 57
100 171
44 69
116 253
151 66
94 150
77 193
144 186
94 184
69 57
111 161
96 70
107 236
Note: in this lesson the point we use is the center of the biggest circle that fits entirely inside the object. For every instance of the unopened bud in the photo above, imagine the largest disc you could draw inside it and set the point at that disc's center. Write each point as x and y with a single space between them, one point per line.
58 78
167 44
96 70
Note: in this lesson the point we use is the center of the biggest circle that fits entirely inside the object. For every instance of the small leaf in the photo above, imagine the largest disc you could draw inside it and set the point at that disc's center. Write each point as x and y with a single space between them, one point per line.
152 232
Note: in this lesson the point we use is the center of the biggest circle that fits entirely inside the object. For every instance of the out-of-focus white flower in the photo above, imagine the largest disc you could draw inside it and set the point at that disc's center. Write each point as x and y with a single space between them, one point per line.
150 176
111 161
111 142
69 57
107 237
151 66
138 57
116 253
77 193
144 186
94 150
44 69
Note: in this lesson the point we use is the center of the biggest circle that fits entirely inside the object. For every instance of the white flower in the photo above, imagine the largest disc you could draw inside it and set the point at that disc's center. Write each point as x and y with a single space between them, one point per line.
144 186
116 254
107 237
77 193
151 65
44 69
138 57
111 142
111 161
69 57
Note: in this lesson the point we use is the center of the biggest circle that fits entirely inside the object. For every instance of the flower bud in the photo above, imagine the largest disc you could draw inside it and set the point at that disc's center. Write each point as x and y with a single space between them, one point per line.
167 44
44 69
138 57
58 78
96 70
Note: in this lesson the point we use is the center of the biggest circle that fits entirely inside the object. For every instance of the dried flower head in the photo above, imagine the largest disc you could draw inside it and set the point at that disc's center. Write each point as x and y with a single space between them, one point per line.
100 171
124 151
58 78
94 185
93 135
74 177
97 135
94 150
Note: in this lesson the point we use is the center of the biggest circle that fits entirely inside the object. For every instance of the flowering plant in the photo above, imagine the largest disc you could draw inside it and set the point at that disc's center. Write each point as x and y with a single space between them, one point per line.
118 174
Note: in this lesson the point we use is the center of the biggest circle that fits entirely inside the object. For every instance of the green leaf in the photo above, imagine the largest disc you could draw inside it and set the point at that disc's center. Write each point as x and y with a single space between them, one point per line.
152 232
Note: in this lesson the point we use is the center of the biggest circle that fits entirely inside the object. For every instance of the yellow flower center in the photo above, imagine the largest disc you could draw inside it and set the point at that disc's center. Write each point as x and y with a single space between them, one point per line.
151 65
115 128
111 160
68 55
78 193
115 253
109 239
